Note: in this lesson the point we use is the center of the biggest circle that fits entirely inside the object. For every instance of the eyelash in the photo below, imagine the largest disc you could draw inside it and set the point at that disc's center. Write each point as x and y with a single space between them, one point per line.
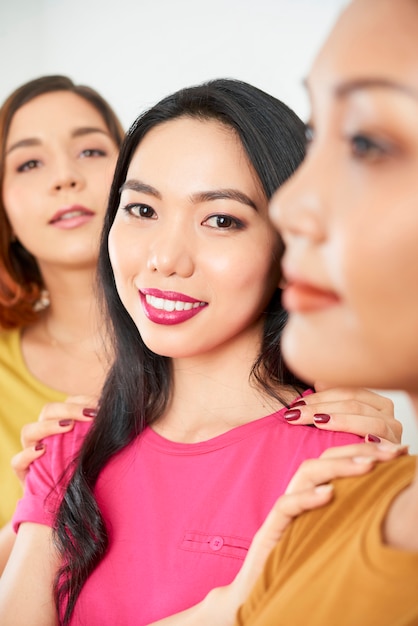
129 209
93 152
232 222
365 147
88 153
362 146
28 165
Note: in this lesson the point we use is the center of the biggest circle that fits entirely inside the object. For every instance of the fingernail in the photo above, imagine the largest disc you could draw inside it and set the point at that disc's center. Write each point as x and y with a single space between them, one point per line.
373 438
89 412
39 446
298 403
292 415
64 423
321 418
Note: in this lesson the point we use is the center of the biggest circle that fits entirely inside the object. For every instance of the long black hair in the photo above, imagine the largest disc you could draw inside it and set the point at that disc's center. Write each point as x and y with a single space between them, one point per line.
139 383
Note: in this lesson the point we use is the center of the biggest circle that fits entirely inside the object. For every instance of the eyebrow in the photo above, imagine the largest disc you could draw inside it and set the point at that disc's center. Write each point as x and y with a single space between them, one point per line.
351 86
77 132
359 84
200 196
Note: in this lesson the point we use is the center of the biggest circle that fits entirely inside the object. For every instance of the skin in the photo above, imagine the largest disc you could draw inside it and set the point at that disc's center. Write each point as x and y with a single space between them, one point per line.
349 218
187 235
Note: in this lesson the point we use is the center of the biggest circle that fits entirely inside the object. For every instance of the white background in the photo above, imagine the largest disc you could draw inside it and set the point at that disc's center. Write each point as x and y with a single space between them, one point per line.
134 52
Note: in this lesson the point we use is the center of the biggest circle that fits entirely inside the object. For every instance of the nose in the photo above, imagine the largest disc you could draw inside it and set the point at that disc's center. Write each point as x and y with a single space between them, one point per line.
66 176
171 252
297 208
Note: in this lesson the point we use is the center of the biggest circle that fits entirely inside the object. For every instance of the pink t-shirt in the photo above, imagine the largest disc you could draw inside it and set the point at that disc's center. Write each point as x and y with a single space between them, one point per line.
180 516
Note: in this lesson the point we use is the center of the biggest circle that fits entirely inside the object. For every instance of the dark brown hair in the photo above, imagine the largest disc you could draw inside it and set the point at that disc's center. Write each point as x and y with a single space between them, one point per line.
20 279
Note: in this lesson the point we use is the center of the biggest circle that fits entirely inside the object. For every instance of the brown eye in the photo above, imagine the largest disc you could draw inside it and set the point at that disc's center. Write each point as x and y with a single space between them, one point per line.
223 222
140 210
364 147
28 165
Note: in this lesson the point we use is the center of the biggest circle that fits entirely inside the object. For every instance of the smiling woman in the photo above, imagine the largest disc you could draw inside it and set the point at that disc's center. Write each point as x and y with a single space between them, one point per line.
216 250
59 144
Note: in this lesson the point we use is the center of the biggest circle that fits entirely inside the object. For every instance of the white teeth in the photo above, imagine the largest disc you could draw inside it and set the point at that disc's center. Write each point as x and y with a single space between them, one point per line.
171 305
71 214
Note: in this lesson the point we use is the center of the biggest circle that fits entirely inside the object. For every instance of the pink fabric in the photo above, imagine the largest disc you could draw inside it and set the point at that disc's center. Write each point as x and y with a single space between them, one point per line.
180 516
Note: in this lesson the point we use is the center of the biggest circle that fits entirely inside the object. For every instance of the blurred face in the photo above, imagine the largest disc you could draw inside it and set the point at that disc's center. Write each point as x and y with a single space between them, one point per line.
194 255
349 216
59 162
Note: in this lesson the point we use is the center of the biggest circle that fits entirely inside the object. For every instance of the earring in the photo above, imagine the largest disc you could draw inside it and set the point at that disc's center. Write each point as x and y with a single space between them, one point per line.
42 302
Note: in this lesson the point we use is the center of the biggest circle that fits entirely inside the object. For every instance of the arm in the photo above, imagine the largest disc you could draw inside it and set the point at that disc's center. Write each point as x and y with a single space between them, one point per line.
357 411
26 595
7 539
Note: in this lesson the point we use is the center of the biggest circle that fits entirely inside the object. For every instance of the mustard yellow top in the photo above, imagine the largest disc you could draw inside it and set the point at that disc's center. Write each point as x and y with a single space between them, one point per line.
333 569
22 397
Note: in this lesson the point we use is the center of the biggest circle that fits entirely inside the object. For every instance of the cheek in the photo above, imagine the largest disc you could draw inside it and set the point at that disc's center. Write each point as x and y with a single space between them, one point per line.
123 254
24 216
101 183
253 270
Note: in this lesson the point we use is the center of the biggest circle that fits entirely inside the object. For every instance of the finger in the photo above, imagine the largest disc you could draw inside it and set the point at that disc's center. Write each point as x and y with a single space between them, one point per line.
32 433
350 416
84 400
291 505
325 393
353 460
314 472
360 424
66 410
381 451
20 462
286 508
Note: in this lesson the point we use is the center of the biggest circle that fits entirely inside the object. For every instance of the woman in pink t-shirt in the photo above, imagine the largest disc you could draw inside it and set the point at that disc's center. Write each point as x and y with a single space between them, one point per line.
191 446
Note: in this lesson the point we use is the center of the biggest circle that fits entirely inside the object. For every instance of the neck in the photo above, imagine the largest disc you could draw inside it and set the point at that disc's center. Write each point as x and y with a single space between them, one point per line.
214 393
73 314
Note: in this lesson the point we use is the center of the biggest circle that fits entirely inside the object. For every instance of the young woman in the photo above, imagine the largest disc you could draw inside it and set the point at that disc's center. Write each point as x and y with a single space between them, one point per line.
59 143
350 223
191 446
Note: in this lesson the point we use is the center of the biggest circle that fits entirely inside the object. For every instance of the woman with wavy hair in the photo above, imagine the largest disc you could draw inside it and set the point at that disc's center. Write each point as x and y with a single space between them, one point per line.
58 147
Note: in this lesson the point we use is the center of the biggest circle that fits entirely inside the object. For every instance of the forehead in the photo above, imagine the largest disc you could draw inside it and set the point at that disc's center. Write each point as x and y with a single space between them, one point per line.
371 39
192 131
190 145
58 109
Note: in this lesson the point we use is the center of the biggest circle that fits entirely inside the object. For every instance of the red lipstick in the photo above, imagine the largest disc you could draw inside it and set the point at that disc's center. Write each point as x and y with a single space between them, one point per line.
70 217
301 297
169 307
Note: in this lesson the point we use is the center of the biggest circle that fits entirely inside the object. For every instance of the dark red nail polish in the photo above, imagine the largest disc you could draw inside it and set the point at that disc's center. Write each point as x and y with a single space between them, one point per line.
321 418
373 438
64 423
89 412
292 415
298 403
39 446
